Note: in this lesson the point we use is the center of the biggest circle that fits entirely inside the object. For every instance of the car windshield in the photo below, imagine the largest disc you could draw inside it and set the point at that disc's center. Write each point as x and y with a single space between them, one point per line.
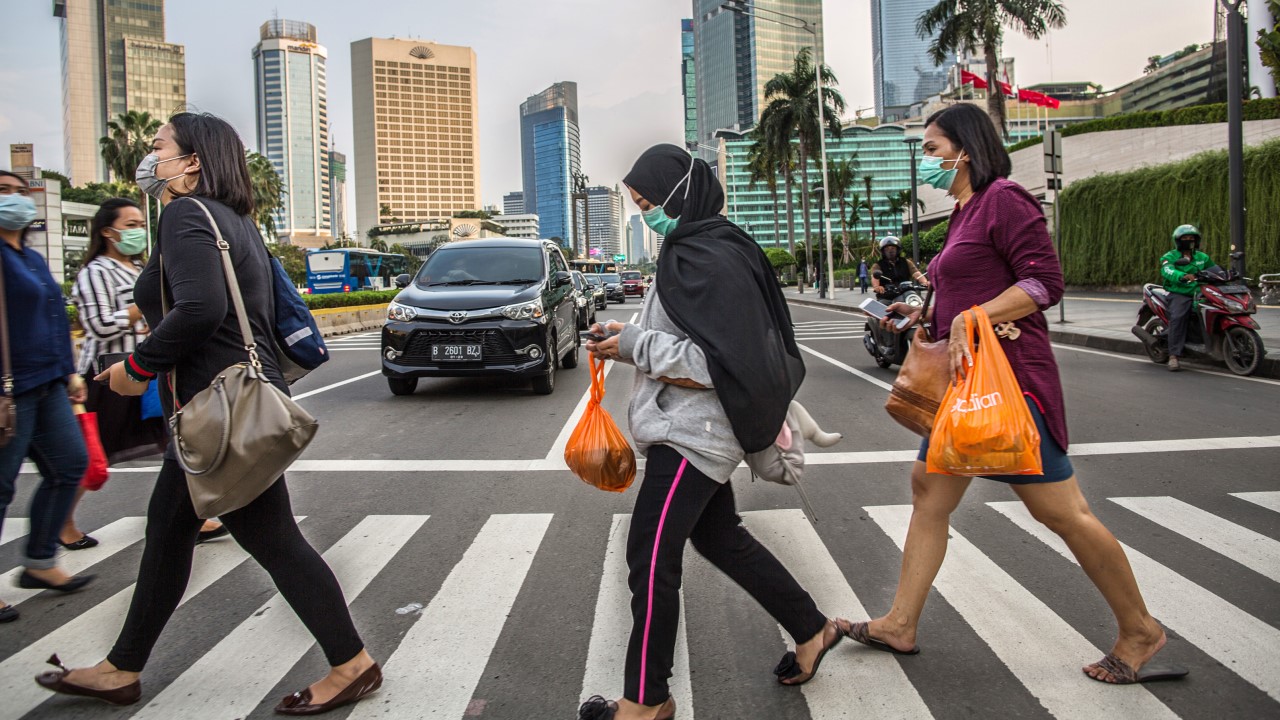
631 275
611 278
482 266
592 279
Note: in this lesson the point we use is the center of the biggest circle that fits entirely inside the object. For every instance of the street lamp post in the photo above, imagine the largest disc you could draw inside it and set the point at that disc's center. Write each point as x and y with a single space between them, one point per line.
1235 130
915 220
799 23
826 283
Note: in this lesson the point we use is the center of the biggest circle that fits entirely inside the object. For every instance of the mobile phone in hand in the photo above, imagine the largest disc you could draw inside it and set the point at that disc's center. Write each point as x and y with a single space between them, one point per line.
878 310
106 360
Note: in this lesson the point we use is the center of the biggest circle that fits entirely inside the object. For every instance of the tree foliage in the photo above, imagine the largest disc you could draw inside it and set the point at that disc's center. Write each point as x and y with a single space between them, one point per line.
268 192
780 259
1269 42
128 140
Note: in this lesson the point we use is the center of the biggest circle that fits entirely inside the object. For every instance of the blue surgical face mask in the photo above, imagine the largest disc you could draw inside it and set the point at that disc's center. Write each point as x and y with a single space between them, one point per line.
657 219
933 173
16 211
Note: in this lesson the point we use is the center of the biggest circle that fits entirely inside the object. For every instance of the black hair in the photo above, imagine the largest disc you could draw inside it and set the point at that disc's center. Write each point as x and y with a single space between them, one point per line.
6 173
970 129
224 173
108 213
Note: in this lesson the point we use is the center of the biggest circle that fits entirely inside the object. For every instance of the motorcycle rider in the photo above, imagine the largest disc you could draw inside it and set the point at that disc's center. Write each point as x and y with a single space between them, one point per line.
1180 281
894 268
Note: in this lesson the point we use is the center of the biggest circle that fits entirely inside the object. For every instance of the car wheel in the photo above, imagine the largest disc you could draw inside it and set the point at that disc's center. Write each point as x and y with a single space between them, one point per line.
570 359
546 384
402 386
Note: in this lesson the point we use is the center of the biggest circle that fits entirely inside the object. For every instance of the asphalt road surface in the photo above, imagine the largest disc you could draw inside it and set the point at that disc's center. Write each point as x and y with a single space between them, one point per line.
490 582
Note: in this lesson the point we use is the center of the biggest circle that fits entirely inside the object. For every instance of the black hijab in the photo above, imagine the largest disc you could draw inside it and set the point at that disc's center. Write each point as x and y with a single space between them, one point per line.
717 286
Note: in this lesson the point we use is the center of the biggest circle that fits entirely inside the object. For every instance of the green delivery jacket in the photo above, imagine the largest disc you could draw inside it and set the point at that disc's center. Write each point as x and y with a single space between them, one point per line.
1172 273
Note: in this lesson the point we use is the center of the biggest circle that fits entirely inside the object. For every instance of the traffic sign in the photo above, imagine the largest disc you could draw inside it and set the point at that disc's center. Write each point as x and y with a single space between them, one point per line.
1053 152
619 258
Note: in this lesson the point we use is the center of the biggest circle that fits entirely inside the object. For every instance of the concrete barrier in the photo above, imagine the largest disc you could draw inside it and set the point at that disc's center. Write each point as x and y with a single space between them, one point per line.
344 320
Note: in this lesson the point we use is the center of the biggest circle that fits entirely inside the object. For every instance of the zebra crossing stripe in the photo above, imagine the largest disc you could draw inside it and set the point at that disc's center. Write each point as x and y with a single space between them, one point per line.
1238 640
14 528
854 683
240 670
1268 500
1254 550
434 671
611 630
1039 647
87 638
111 539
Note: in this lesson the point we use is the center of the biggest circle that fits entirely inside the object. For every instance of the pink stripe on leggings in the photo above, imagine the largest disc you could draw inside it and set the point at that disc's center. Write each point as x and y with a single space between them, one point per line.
653 564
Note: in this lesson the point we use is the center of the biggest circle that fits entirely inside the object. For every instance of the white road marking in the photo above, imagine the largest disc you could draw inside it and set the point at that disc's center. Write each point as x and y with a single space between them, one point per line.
437 665
14 528
855 682
1139 447
873 380
327 388
240 670
1268 500
1034 642
555 455
1147 361
1254 550
1238 640
354 349
112 539
611 630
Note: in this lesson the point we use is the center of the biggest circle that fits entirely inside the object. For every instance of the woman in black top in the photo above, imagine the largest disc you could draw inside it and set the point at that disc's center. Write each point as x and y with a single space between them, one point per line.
200 156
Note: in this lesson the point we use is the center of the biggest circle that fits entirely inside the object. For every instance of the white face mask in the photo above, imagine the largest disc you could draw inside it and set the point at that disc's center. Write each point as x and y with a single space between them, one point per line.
146 178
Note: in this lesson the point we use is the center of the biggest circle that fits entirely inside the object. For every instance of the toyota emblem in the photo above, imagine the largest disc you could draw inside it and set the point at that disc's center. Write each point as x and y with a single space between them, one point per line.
457 316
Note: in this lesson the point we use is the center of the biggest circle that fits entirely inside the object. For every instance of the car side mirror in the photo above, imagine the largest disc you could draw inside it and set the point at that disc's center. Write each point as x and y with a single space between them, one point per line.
562 278
402 280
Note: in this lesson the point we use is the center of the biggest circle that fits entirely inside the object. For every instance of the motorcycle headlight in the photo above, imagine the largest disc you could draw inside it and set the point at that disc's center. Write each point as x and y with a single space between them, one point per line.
525 311
400 313
915 301
1232 305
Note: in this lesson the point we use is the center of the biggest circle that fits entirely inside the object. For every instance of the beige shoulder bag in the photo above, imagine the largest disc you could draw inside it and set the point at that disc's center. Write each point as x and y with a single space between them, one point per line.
237 436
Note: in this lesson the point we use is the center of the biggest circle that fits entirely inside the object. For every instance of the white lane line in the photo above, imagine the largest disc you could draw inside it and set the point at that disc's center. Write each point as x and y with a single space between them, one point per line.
1146 361
873 380
1254 550
1037 645
14 528
828 337
355 349
555 455
858 682
88 637
244 666
1165 446
1268 500
611 630
1238 640
327 388
111 539
435 669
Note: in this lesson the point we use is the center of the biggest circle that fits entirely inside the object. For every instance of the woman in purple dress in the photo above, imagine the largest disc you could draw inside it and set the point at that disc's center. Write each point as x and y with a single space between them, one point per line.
998 255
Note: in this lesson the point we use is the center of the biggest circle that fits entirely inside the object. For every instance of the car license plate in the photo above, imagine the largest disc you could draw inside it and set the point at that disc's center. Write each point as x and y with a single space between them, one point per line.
1233 289
456 352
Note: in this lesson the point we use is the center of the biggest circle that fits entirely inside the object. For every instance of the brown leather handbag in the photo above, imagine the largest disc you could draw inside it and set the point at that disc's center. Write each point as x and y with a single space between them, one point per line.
8 411
922 381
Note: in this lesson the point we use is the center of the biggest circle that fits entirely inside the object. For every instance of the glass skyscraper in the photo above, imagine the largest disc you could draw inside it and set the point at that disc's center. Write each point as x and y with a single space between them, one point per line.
688 84
551 154
293 127
338 192
902 71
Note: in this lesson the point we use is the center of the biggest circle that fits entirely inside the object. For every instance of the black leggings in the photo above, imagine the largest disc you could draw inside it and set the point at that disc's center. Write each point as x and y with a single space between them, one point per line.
266 529
677 503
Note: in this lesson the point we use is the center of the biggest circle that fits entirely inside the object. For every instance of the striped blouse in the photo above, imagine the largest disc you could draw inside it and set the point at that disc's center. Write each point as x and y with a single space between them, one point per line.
103 293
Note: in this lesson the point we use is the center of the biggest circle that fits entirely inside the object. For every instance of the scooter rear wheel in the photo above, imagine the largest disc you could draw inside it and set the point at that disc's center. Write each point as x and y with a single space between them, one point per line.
1159 353
1242 350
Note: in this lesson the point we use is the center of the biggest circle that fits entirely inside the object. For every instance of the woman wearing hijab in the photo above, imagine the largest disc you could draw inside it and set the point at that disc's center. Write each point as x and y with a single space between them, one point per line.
717 366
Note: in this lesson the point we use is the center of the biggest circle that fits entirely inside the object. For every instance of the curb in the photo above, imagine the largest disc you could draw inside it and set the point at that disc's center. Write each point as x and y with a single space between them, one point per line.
344 320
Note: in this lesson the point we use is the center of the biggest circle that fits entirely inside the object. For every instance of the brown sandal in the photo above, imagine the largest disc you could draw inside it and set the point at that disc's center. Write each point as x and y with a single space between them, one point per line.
861 632
1122 673
55 680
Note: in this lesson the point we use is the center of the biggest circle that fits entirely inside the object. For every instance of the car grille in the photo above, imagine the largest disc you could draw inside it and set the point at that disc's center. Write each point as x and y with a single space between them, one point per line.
497 349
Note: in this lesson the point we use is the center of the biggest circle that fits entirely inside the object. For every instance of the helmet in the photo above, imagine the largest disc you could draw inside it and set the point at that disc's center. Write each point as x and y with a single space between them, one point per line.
1182 231
888 240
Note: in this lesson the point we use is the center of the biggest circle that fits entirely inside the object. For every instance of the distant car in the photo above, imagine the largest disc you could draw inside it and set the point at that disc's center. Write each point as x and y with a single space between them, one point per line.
586 300
597 285
633 284
613 287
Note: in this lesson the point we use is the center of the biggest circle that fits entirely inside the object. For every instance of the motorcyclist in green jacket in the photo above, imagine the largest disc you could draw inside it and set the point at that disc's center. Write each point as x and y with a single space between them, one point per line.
1180 281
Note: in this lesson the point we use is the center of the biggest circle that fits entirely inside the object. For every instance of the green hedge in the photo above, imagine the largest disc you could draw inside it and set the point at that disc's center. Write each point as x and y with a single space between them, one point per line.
351 299
779 258
1115 227
1265 109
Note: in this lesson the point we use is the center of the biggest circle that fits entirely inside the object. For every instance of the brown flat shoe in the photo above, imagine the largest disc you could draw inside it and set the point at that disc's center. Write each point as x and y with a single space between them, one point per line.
55 680
299 703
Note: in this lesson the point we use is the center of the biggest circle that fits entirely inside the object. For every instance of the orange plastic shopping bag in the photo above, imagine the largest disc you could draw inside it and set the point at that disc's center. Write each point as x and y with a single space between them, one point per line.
597 451
983 426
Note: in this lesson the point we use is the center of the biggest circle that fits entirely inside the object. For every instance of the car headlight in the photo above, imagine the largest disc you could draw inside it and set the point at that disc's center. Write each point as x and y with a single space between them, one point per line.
401 313
582 301
525 311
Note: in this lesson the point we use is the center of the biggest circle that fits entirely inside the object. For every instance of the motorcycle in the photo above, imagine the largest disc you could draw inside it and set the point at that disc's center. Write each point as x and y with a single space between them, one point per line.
1220 327
890 348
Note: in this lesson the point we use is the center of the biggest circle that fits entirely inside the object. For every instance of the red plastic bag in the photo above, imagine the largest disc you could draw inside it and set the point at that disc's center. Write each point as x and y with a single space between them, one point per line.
983 426
597 451
96 474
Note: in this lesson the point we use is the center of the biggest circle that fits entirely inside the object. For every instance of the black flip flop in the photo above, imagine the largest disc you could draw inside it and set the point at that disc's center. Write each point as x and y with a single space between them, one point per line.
1124 674
788 668
860 631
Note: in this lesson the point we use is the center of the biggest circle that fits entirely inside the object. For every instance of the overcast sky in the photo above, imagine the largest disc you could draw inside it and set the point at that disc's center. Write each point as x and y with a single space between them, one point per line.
624 55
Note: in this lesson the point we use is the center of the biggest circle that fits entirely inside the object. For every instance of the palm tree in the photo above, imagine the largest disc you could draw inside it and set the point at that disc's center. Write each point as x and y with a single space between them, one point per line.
127 142
899 203
792 111
854 215
869 205
377 244
842 177
964 25
762 165
268 192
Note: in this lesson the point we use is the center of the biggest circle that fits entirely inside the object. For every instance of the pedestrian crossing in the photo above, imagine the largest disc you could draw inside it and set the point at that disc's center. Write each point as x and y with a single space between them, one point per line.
352 343
830 330
434 665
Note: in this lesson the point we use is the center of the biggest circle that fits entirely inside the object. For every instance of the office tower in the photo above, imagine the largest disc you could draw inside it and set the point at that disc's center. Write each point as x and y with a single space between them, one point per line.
604 226
114 60
291 95
688 83
417 136
736 54
637 245
550 155
513 203
338 192
902 70
521 225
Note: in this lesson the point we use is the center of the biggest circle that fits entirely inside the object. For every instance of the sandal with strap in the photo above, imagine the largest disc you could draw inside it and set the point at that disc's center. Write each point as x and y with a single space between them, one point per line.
789 671
1122 673
597 708
861 632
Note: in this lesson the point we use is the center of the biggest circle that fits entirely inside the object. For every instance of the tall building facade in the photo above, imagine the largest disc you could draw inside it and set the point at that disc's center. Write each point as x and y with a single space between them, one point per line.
417 137
550 155
637 246
513 203
902 72
114 60
338 192
689 83
291 91
735 55
605 234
